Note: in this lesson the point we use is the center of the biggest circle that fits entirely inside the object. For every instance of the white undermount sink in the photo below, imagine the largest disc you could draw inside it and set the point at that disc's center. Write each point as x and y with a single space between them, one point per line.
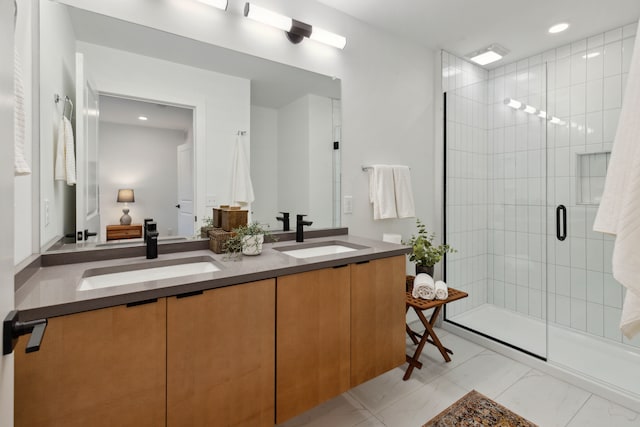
108 277
319 249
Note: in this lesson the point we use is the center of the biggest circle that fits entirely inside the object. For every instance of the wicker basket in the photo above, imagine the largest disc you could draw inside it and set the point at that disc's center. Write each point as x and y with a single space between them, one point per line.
233 217
217 239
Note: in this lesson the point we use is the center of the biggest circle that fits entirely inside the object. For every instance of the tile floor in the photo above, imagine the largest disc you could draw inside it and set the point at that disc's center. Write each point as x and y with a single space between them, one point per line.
541 398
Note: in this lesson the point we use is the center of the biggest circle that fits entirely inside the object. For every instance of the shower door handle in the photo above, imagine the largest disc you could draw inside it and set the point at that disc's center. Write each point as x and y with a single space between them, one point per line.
561 217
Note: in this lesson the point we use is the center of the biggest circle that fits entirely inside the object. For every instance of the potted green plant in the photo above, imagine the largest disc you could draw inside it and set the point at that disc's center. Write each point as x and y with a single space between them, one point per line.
232 247
207 225
423 252
252 237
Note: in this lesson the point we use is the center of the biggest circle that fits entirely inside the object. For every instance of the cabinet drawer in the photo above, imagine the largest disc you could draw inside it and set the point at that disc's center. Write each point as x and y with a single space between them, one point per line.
115 232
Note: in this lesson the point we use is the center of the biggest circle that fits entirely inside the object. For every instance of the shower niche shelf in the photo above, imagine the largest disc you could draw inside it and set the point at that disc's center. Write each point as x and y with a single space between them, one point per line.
591 173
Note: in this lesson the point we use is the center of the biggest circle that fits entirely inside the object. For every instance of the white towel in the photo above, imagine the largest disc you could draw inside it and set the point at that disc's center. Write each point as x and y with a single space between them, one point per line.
382 192
65 165
241 187
620 204
423 287
404 192
20 164
442 291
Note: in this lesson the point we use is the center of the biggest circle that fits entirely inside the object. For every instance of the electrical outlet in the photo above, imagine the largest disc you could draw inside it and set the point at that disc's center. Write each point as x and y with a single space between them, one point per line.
211 200
348 205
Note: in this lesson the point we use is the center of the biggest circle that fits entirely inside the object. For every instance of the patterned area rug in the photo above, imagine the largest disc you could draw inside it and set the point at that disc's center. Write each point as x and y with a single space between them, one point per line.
475 409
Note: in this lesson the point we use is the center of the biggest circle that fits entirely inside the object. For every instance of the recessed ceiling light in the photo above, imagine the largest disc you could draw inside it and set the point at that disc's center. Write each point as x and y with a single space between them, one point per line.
486 58
558 28
143 118
488 55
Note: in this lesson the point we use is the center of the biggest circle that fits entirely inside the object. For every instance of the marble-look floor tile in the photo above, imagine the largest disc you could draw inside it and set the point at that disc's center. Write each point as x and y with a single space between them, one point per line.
488 373
543 400
371 422
431 358
598 412
343 411
418 407
387 388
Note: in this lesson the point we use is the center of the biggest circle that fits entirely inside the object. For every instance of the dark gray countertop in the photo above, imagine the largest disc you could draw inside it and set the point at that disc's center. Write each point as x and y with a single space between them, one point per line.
52 291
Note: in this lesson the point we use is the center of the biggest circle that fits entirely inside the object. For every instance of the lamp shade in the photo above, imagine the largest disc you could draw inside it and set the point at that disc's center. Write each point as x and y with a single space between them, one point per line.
126 196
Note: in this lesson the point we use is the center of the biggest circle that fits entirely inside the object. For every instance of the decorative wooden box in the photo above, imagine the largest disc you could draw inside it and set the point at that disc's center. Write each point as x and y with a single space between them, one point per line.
217 239
233 217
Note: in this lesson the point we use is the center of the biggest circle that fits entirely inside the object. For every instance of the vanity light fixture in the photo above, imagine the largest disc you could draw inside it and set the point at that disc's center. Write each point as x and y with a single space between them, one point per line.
558 28
513 103
489 54
518 105
295 30
220 4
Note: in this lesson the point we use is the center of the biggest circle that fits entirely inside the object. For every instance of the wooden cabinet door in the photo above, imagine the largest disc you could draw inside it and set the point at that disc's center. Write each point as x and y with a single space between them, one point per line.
312 326
98 368
377 317
221 357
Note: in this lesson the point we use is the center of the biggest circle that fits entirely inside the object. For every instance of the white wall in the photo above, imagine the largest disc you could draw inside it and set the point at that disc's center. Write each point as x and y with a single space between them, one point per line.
264 160
57 75
7 183
142 158
293 150
320 160
387 87
222 107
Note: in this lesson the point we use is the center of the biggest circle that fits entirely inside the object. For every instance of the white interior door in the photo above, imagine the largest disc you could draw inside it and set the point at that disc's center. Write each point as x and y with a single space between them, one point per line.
87 191
6 193
185 190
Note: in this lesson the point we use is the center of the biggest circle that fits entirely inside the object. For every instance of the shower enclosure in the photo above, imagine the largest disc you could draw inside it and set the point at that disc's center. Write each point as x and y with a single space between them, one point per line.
526 151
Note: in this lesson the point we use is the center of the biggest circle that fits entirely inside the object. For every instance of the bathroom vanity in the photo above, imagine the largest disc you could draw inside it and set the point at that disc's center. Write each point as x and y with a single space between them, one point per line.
253 342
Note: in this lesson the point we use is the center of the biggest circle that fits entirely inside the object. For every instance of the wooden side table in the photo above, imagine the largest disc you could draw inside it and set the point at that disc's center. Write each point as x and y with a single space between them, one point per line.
429 335
116 232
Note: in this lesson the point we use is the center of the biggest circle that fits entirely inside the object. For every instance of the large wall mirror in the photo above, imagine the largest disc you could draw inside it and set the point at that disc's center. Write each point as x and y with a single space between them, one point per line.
203 105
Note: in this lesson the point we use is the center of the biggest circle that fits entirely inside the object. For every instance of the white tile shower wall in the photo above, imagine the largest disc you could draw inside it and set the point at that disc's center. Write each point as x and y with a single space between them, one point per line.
585 83
517 177
467 190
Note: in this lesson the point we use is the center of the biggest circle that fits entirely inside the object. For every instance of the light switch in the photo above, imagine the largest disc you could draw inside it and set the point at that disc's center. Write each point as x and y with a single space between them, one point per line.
348 205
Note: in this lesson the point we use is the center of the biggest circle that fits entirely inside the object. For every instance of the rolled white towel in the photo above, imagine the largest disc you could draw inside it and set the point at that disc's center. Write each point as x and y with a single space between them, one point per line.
442 291
424 287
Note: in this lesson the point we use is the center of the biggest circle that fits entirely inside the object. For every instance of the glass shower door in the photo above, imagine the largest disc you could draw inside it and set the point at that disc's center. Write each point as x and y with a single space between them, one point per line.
585 300
495 185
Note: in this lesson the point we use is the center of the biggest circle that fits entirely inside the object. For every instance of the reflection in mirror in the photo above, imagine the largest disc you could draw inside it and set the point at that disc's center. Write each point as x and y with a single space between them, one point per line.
146 147
291 119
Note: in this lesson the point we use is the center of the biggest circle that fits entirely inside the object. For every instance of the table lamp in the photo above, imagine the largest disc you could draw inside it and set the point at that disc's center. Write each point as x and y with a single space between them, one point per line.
125 196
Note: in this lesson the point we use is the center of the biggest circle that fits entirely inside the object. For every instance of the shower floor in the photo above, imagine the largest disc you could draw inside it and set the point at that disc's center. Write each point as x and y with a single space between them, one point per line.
611 363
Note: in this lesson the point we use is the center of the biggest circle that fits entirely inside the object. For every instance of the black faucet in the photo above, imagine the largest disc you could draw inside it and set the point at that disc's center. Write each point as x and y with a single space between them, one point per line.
151 231
300 223
146 221
285 220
